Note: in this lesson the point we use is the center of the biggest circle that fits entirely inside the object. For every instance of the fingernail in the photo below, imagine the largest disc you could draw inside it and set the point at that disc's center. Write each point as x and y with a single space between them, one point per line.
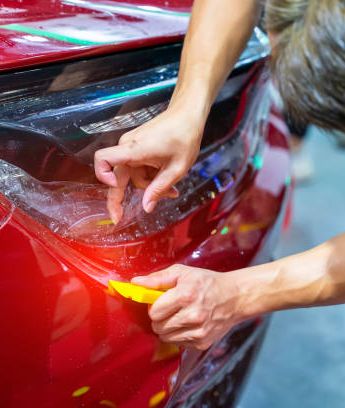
173 194
150 206
115 213
115 219
115 216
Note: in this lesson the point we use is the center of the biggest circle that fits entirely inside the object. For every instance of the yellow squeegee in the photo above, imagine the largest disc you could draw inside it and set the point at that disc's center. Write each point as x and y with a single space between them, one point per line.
134 292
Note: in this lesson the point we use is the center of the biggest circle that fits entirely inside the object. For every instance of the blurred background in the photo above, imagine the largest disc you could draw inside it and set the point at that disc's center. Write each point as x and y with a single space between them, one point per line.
302 362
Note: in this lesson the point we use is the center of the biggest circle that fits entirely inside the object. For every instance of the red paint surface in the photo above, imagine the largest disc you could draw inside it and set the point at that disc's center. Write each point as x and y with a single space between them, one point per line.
134 29
61 331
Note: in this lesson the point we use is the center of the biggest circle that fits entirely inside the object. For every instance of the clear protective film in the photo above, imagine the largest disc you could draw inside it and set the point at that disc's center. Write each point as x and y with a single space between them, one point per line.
49 132
207 379
79 210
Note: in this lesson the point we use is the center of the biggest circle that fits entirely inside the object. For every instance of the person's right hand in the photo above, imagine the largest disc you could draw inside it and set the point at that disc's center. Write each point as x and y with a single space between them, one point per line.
153 156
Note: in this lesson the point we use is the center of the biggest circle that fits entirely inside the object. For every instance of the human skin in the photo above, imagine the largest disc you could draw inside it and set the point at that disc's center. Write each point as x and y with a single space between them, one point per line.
211 48
201 306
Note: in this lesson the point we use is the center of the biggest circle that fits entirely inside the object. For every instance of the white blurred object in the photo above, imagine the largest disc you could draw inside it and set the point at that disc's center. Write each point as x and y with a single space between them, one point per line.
302 166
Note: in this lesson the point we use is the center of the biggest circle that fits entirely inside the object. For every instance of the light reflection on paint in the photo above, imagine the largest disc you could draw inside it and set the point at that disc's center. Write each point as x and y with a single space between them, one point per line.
196 254
258 162
140 91
105 222
127 8
81 391
165 351
217 183
253 227
107 403
157 398
224 231
48 34
34 38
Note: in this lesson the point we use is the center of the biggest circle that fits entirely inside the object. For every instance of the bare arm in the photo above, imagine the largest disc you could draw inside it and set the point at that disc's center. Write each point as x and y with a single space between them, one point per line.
218 32
312 278
202 305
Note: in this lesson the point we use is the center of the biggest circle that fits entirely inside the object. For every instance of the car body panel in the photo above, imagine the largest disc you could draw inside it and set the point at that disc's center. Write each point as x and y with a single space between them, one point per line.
42 31
78 346
66 340
66 333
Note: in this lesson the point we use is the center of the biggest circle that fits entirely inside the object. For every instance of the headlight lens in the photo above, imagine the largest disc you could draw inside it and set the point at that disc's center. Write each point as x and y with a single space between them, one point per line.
48 138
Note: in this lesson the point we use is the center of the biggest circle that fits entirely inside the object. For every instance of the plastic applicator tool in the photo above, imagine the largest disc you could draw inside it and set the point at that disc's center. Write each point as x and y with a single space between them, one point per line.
134 292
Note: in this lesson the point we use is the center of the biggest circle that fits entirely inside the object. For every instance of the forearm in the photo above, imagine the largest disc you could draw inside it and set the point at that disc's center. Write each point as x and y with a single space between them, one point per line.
217 34
312 278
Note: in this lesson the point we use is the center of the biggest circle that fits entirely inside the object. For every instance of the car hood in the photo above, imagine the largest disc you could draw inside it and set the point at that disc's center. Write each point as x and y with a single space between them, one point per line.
44 31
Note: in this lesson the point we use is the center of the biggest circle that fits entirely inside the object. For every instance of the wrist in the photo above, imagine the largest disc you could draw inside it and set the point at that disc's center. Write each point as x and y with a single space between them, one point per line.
256 293
192 101
256 290
188 122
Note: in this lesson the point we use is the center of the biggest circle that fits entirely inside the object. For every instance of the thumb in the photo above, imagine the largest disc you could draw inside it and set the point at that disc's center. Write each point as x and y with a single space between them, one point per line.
165 279
161 186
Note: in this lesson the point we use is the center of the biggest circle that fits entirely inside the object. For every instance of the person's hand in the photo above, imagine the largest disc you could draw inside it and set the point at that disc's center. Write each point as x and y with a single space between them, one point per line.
154 157
198 309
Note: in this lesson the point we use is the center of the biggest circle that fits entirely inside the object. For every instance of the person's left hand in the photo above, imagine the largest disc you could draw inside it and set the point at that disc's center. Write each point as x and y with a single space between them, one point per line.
198 309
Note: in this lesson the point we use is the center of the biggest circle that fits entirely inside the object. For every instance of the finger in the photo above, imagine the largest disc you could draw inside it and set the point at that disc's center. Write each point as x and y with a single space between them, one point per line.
183 319
115 209
165 306
164 279
172 193
122 175
173 323
116 194
192 337
107 159
160 185
139 177
142 176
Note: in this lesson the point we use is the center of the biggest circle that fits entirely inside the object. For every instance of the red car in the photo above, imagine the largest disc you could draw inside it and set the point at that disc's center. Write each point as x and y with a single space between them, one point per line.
75 75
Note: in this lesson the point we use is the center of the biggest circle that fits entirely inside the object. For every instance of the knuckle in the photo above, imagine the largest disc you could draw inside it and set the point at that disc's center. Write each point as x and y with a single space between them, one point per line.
175 268
127 137
187 297
178 170
201 334
196 317
98 155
